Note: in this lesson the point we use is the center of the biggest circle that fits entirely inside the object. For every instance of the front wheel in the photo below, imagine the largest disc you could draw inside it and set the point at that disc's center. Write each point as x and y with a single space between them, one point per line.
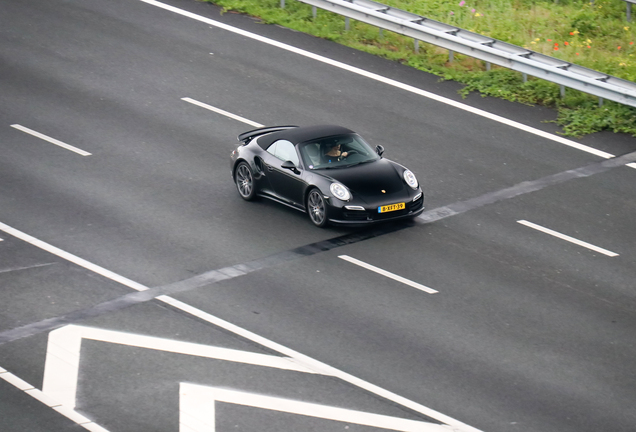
317 208
244 179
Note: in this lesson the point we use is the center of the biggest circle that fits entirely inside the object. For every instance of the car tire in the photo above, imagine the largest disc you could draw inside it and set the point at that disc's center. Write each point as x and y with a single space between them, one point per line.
244 179
317 208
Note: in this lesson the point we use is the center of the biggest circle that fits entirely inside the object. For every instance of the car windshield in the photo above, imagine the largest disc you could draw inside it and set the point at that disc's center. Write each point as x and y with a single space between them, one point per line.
336 152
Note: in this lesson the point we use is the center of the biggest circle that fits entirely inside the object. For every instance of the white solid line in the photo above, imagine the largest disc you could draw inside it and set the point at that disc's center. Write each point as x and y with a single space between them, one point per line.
388 274
385 80
70 413
61 367
301 359
318 366
197 410
222 112
51 140
45 399
567 238
15 381
72 258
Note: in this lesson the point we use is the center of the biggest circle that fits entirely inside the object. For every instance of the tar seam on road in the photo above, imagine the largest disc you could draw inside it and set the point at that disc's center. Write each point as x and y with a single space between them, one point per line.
231 272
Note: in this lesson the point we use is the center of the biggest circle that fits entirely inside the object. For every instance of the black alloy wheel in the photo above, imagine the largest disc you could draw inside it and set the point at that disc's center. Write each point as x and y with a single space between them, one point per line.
316 208
244 179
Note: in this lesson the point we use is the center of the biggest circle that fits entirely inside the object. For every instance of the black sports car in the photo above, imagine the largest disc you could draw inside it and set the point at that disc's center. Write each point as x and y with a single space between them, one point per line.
330 172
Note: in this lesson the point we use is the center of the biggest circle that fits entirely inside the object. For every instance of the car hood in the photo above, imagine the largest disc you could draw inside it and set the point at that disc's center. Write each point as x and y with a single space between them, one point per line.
380 178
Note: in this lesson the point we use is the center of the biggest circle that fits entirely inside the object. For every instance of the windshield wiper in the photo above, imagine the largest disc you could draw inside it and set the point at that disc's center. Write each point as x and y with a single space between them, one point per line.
332 167
359 163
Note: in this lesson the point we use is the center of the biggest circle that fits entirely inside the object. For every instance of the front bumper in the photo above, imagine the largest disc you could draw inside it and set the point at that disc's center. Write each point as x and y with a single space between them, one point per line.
370 215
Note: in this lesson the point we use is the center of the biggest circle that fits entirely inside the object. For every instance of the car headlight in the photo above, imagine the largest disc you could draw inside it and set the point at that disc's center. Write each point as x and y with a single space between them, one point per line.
340 191
410 179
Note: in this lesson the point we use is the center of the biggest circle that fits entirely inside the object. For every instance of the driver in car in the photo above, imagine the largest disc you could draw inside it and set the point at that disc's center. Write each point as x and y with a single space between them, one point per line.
335 154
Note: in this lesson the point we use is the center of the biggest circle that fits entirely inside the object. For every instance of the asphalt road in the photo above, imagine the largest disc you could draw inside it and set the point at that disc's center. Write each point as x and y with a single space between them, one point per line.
138 288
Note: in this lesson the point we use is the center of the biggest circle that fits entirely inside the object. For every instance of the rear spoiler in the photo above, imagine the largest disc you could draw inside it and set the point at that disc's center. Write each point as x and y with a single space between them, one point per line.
245 137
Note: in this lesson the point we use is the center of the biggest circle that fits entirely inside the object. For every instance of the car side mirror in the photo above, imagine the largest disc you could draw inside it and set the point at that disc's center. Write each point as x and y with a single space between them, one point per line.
290 166
379 150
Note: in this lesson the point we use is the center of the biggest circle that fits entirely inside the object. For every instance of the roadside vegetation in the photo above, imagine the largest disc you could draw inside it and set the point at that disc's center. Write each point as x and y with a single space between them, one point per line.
594 34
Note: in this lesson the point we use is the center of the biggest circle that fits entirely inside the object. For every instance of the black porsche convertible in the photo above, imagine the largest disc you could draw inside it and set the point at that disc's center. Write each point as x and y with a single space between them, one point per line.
327 171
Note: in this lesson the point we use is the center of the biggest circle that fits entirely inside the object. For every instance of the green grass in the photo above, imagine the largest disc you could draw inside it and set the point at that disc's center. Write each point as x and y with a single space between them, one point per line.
595 35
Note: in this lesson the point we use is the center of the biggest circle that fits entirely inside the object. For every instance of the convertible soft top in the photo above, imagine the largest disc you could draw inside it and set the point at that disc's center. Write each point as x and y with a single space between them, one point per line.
299 134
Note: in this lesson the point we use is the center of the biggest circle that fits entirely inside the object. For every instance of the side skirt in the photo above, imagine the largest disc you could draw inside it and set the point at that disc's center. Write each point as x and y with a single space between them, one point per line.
282 201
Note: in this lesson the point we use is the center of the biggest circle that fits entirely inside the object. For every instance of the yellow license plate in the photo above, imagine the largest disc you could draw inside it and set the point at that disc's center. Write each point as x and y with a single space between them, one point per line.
391 207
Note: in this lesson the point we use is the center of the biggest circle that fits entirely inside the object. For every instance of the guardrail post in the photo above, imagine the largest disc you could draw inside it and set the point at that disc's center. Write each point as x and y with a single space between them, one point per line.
314 11
600 102
451 56
629 11
346 23
282 4
525 77
487 66
562 91
416 46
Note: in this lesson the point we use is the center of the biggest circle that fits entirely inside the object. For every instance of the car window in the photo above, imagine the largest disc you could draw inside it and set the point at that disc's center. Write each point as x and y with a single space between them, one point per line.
314 153
311 154
284 150
272 149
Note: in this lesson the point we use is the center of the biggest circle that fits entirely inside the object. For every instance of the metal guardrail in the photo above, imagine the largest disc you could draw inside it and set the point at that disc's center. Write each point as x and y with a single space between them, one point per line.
484 48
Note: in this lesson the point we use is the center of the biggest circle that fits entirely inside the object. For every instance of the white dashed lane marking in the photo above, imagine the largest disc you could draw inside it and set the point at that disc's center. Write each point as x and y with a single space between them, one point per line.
568 238
51 140
388 274
222 112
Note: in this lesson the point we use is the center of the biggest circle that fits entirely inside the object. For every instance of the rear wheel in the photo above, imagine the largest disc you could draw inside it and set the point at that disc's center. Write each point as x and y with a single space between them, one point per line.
317 208
244 179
